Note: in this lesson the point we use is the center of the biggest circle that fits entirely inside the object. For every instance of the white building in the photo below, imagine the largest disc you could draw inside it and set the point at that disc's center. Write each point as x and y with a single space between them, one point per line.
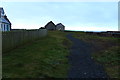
5 24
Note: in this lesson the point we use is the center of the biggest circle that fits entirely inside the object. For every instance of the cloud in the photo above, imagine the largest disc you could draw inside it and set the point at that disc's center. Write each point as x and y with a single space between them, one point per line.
60 0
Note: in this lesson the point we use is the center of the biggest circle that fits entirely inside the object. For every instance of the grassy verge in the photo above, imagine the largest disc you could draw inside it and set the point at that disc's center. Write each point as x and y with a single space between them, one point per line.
40 59
110 59
105 51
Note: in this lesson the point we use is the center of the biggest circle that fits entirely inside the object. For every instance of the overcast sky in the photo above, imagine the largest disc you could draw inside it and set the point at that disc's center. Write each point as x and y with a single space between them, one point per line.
87 16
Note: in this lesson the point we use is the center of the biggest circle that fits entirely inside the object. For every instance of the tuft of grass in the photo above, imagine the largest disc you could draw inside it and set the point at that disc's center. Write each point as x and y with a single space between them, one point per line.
43 58
110 59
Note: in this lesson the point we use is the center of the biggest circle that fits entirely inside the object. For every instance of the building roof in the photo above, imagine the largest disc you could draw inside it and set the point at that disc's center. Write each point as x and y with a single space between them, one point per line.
7 19
3 20
50 24
60 24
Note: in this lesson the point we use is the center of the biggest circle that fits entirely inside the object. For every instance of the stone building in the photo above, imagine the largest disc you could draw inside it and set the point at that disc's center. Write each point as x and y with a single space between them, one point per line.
60 27
50 26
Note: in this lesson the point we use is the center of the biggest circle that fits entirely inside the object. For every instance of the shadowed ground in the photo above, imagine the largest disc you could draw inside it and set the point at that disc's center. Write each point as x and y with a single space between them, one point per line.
82 64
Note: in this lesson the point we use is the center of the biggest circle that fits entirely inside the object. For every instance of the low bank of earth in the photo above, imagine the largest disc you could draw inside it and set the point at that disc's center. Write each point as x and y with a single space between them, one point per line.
43 58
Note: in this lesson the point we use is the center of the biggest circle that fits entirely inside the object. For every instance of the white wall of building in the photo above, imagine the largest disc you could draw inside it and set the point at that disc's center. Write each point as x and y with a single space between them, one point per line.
5 27
4 24
0 26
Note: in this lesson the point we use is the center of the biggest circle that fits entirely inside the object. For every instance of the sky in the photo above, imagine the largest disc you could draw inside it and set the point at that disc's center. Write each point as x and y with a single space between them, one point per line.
78 16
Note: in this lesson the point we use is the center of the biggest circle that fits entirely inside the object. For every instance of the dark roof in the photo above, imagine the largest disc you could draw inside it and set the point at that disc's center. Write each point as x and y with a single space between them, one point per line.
7 19
60 24
50 23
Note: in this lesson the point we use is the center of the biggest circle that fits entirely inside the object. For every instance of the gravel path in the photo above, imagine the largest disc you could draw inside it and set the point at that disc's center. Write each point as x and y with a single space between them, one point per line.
82 64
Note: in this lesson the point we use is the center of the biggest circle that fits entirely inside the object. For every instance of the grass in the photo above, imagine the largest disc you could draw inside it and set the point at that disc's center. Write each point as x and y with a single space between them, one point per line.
46 57
105 51
110 59
43 58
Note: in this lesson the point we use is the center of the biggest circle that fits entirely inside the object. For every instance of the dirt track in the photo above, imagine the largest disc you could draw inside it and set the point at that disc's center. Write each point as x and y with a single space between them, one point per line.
82 64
